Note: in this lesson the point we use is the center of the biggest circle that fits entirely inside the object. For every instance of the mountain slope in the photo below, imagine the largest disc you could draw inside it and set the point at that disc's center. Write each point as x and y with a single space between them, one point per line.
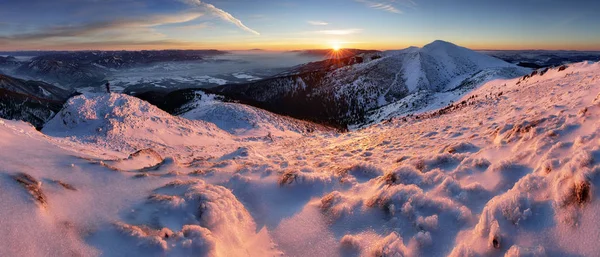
343 95
32 88
32 101
246 121
510 169
115 121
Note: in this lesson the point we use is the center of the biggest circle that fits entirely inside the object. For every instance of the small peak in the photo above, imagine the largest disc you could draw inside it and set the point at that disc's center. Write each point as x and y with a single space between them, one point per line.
439 43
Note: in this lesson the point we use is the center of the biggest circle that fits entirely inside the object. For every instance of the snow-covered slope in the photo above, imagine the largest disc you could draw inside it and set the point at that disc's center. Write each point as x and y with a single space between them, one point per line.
246 121
510 169
351 92
127 124
440 65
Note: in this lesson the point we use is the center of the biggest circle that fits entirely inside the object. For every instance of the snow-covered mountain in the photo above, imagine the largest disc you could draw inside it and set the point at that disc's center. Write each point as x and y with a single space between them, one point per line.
357 92
510 169
32 101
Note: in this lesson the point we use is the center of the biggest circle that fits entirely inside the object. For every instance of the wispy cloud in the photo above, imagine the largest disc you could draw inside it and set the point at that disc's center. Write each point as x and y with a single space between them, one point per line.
388 5
339 32
318 23
221 14
86 29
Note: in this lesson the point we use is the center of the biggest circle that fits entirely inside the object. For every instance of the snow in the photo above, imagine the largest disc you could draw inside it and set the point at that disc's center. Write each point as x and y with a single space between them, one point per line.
245 121
400 82
509 169
248 77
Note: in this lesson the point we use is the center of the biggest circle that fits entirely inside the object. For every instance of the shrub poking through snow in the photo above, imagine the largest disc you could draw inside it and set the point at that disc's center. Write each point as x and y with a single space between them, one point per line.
562 68
142 175
582 191
287 177
331 198
65 185
335 205
33 187
572 191
389 178
420 164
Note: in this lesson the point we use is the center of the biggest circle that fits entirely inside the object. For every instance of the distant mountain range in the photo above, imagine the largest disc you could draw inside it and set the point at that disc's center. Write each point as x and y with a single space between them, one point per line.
544 58
351 89
91 68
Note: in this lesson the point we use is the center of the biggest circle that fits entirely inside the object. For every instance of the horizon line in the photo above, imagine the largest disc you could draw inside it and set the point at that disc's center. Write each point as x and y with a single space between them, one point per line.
273 50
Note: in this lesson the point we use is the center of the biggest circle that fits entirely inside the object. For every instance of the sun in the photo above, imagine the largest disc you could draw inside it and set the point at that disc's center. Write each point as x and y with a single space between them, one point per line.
335 47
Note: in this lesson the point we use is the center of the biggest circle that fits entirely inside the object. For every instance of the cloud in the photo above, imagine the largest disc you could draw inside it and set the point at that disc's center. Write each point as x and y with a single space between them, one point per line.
221 14
339 32
388 5
87 29
318 23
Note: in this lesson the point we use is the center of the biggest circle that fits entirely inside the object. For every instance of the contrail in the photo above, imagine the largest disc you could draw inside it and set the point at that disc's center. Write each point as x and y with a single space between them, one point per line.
222 14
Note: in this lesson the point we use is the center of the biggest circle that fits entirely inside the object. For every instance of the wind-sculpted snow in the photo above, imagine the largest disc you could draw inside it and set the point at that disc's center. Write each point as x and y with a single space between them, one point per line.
510 169
125 123
192 217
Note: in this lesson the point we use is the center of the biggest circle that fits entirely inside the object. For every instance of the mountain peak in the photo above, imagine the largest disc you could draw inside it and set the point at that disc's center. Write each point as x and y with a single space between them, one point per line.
440 43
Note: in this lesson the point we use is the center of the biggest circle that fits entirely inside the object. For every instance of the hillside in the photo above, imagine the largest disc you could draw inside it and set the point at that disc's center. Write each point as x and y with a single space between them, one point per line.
126 124
246 121
510 169
359 91
32 101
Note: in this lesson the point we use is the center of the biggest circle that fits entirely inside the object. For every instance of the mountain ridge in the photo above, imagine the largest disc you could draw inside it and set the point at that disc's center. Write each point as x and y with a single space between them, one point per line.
341 92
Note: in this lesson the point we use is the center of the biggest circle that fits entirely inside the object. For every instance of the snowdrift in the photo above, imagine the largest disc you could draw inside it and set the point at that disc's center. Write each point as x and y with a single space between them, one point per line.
127 124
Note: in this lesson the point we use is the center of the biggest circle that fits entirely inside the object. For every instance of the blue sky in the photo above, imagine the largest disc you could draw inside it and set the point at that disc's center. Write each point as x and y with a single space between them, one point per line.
295 24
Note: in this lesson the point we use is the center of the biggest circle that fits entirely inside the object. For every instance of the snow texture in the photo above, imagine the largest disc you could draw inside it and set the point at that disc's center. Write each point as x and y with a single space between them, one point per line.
509 169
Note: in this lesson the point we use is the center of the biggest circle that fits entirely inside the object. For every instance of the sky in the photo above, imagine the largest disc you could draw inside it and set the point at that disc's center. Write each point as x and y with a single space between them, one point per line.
297 24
